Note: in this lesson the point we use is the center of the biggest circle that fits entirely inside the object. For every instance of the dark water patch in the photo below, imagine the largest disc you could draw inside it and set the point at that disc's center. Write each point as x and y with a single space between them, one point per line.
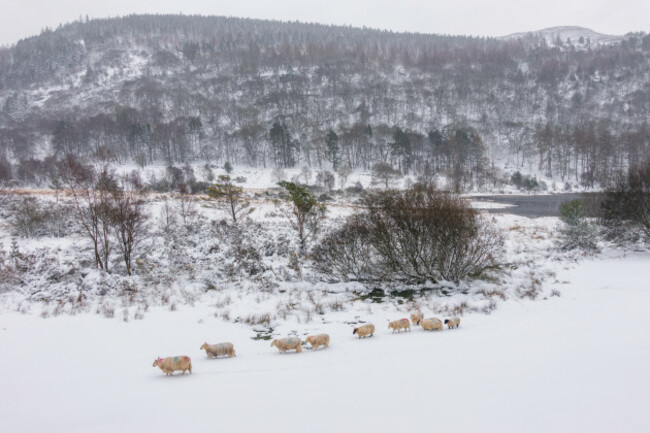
379 296
533 206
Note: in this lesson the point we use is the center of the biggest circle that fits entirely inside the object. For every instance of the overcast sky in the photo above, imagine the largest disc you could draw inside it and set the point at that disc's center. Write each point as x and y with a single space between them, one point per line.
23 18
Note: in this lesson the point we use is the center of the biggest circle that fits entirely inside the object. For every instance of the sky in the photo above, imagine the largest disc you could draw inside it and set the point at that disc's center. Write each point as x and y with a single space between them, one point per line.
24 18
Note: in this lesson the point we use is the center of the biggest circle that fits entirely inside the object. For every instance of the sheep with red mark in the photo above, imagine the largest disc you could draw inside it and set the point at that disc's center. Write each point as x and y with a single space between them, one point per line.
364 330
319 340
453 322
290 343
174 363
431 324
398 325
219 349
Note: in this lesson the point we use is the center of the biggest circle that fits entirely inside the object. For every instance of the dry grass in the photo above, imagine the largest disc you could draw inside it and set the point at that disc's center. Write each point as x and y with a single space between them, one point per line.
257 319
494 293
336 305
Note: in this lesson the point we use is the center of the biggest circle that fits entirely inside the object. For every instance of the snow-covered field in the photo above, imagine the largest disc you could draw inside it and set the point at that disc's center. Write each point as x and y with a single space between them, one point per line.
570 363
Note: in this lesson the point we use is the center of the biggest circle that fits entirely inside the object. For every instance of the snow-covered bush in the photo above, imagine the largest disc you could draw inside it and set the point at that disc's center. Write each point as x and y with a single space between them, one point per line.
32 217
577 232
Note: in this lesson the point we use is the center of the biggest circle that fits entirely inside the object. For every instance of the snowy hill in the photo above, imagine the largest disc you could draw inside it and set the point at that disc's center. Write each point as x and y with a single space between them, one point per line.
174 90
579 37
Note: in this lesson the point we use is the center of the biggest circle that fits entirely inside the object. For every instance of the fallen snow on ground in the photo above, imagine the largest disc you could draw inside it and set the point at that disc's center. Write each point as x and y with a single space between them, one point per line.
490 205
571 363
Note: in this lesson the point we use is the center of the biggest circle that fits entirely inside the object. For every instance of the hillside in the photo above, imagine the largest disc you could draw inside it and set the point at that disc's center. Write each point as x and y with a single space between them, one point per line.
183 89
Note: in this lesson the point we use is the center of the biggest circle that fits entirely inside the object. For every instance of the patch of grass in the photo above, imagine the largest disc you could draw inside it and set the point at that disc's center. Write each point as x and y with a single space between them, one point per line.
494 293
258 319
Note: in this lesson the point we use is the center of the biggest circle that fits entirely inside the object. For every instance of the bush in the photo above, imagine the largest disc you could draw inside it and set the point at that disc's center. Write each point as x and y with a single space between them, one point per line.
32 218
577 232
413 236
526 182
625 210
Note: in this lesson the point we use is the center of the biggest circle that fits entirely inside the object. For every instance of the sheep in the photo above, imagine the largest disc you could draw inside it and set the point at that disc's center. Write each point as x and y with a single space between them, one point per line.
174 363
452 323
215 350
431 324
417 317
318 340
400 324
284 344
365 330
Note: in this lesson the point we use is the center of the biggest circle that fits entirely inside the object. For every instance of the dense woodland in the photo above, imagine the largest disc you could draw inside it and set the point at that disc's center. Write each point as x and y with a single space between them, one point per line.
183 89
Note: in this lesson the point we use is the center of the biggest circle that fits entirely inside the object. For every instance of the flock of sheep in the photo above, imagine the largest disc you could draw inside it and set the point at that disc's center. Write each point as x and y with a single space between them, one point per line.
184 363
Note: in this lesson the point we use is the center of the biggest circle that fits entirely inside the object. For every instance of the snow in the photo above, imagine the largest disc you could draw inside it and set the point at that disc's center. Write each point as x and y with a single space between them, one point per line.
478 204
574 362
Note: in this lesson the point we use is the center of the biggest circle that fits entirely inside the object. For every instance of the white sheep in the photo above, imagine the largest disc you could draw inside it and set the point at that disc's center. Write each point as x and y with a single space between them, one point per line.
400 324
431 324
453 322
318 340
284 344
417 317
174 363
215 350
364 330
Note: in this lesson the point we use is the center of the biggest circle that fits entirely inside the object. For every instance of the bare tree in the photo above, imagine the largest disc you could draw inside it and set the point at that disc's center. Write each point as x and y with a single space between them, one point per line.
129 224
306 173
325 179
344 172
92 200
167 218
186 207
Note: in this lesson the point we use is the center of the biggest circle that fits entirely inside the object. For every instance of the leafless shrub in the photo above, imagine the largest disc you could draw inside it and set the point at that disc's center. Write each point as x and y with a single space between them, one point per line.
625 210
107 311
167 217
458 309
325 179
223 302
187 208
491 306
129 224
555 292
532 289
412 236
172 307
336 305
